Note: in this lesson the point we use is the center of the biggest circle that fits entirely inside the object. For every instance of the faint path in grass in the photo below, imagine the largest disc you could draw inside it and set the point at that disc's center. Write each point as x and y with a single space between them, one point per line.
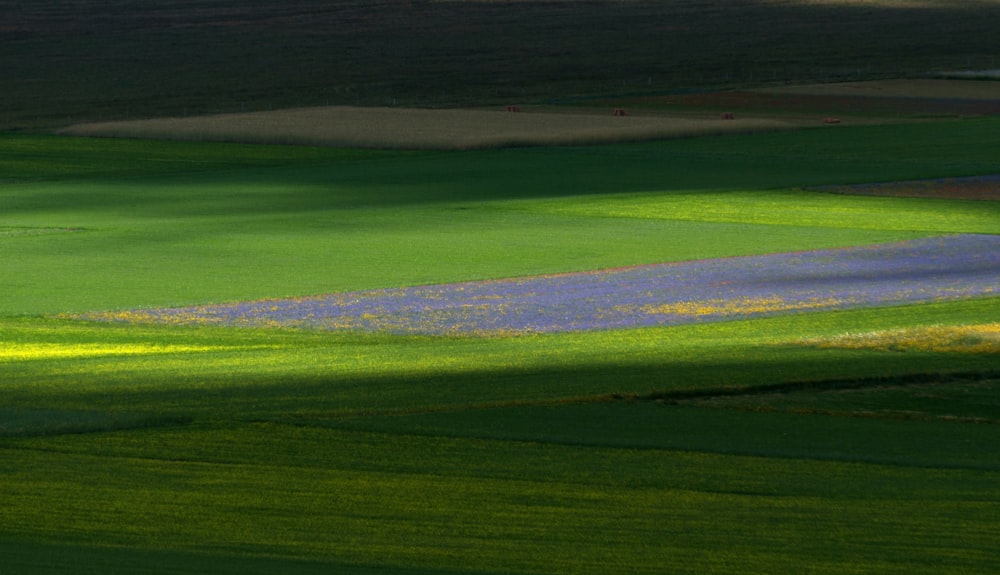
923 270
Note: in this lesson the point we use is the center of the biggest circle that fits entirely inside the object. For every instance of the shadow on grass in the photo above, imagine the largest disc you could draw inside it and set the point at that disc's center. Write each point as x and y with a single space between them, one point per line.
232 394
27 557
29 422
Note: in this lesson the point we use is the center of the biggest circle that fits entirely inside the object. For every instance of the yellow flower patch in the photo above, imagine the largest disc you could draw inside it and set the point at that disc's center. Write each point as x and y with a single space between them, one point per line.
982 338
723 307
35 351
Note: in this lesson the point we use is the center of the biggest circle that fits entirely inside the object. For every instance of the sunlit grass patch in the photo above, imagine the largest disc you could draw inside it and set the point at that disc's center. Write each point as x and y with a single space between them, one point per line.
818 209
982 338
13 351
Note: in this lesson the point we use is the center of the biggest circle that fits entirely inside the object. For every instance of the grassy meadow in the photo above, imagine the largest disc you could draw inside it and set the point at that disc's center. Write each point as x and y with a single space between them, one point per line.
766 445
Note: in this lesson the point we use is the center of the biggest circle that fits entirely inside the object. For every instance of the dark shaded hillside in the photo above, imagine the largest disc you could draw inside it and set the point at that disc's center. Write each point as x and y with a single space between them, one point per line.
88 59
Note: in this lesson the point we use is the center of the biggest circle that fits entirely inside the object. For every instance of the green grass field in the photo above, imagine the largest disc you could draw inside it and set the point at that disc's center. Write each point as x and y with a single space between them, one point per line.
732 447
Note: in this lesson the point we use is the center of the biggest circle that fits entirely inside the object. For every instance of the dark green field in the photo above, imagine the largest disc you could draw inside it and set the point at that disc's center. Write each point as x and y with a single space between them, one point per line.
67 62
750 446
734 447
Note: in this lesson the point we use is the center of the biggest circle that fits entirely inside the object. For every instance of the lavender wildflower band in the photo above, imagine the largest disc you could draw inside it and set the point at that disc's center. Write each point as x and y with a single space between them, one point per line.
923 270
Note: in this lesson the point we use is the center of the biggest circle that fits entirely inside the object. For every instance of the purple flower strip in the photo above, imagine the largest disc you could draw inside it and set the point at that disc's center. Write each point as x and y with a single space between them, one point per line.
923 270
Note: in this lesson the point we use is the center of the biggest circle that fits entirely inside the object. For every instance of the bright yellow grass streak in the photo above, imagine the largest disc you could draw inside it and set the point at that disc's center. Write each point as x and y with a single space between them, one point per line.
421 128
982 338
10 352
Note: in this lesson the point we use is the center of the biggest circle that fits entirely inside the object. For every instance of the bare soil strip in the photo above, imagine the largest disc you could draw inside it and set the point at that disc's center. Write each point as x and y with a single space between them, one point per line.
408 128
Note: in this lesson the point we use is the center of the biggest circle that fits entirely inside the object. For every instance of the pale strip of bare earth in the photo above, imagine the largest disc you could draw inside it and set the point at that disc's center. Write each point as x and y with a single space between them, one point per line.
410 128
916 88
